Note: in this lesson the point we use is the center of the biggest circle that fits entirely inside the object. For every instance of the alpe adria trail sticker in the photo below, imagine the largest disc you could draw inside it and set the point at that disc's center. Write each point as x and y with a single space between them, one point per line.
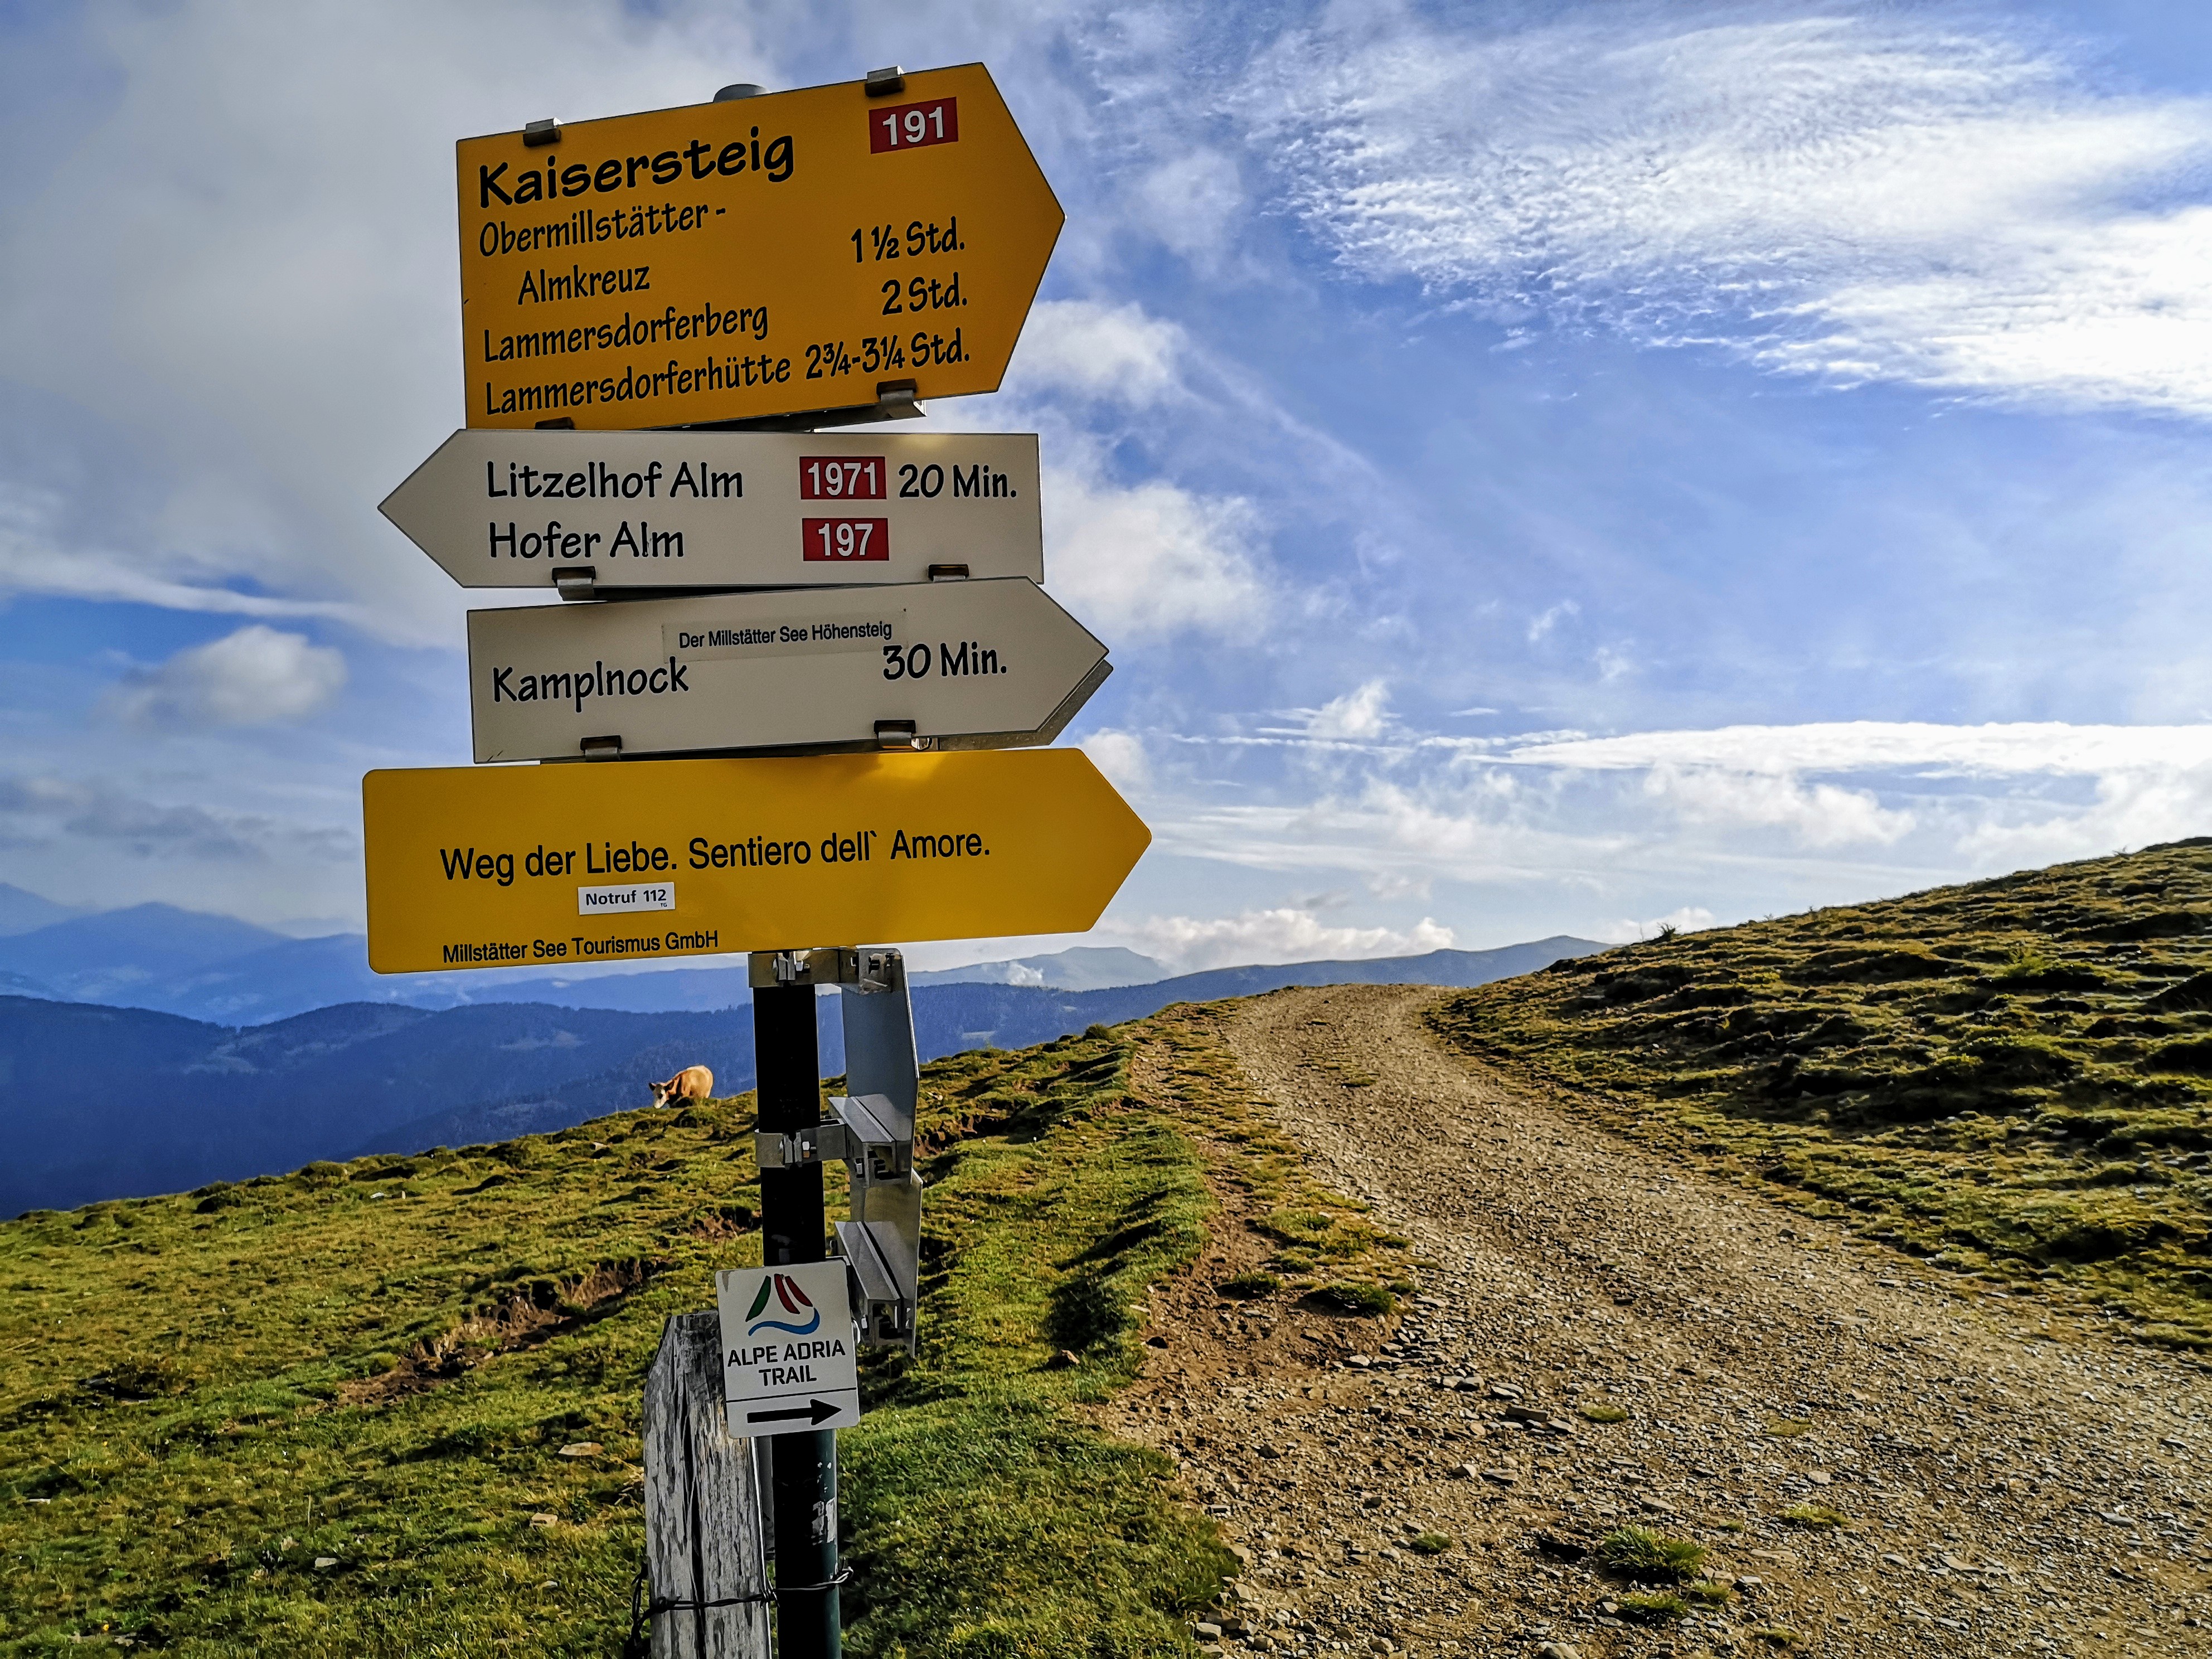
787 1349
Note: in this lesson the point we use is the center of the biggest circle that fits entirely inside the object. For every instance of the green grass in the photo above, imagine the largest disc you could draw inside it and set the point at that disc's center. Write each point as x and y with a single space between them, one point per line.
2012 1080
1641 1552
1653 1606
1428 1543
1710 1592
1815 1516
1600 1413
380 1362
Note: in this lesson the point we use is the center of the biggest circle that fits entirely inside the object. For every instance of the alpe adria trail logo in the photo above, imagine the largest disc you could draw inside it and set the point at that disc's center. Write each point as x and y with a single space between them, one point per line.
794 1301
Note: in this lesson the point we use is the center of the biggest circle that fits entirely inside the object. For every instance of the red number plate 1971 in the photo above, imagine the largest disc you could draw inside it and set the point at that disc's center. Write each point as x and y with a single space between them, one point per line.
912 125
845 541
841 478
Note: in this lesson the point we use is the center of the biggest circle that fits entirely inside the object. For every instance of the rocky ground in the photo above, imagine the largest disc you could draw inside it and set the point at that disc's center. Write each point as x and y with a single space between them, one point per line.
1876 1459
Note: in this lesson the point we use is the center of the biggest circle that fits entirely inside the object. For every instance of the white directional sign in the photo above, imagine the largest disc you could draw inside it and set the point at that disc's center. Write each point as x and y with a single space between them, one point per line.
723 509
973 664
787 1349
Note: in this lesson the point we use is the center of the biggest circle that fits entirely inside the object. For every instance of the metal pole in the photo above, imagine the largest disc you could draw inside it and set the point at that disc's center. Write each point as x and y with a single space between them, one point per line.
803 1466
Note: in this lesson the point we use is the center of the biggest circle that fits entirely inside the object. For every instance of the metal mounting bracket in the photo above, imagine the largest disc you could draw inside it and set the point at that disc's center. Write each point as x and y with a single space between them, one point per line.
882 82
578 582
607 748
535 133
816 1144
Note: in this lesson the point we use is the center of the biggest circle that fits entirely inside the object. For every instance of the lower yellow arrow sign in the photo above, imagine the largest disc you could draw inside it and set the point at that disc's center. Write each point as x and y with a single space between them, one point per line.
640 860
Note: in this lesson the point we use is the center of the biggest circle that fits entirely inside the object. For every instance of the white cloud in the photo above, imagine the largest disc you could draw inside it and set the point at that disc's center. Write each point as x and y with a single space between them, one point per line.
1362 713
1151 558
1120 756
2014 749
1116 353
257 675
1821 814
39 812
1547 620
1884 196
1286 934
1190 204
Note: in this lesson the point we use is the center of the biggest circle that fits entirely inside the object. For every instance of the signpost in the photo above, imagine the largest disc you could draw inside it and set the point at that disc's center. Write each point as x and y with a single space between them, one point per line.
589 512
789 1354
512 866
753 270
843 247
971 665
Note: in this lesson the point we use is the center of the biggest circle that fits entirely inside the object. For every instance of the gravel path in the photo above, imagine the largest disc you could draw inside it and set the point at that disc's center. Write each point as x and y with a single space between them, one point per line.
2009 1481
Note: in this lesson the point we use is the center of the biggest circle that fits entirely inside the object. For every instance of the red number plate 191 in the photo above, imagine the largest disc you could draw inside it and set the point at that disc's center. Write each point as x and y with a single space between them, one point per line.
841 478
912 125
845 541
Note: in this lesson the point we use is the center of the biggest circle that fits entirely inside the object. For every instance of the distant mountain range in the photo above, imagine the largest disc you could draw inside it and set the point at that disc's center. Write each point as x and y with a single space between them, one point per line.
232 973
102 1102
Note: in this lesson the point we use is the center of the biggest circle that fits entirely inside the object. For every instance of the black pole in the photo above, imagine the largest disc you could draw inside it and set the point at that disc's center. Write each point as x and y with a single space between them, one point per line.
804 1469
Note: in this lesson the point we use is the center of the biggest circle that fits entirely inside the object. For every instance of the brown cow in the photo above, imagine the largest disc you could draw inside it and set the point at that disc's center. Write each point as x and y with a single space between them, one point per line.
692 1083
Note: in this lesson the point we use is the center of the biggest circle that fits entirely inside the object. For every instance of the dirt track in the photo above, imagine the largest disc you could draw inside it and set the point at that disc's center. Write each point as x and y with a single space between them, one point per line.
2010 1482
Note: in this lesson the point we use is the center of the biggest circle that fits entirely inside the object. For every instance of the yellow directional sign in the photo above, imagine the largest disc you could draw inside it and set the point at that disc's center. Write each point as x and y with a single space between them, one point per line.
802 251
642 861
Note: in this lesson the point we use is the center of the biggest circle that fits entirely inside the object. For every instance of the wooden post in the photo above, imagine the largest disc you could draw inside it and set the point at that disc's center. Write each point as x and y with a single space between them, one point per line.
703 1539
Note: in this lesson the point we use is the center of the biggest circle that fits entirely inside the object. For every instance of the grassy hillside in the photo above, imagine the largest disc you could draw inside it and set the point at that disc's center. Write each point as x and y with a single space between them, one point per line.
2013 1078
390 1406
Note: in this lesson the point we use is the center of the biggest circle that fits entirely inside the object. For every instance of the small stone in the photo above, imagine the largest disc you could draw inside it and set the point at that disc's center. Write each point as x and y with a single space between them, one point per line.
1206 1633
1503 1391
1526 1414
582 1449
1359 1362
1503 1477
1655 1505
1156 1342
1750 1582
541 1519
325 1563
1065 1360
1464 1471
1820 1477
1558 1651
1897 1561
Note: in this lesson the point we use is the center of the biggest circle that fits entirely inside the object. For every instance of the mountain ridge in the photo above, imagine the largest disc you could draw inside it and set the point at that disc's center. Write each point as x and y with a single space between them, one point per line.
199 1100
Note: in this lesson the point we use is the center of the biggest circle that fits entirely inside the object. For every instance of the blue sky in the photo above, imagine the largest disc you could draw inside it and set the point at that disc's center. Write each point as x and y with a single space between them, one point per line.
1541 468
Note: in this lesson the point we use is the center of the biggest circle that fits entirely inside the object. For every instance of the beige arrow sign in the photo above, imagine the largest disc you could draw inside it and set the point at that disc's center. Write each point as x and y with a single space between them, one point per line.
961 664
723 509
826 248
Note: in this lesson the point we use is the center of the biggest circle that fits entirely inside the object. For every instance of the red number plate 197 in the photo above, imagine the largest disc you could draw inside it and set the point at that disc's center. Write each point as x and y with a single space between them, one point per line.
845 541
841 478
912 125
